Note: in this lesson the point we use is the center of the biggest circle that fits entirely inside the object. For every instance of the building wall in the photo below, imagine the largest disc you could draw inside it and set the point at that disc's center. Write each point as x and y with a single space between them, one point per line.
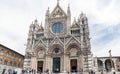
118 64
10 58
102 62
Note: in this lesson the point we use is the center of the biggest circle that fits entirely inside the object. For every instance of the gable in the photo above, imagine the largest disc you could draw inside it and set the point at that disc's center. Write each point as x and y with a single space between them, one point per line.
72 40
58 12
56 41
40 43
74 24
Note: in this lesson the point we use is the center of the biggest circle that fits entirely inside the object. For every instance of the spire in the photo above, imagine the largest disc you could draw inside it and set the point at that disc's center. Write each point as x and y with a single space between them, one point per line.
41 27
58 2
68 6
74 24
36 21
47 12
41 23
68 10
82 15
83 18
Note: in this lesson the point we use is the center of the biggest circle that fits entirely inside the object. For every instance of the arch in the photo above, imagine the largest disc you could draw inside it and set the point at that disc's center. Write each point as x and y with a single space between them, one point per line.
39 48
108 65
100 65
55 46
40 51
73 48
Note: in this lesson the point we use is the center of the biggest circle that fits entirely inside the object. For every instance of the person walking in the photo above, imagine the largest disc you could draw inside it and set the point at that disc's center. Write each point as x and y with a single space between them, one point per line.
3 72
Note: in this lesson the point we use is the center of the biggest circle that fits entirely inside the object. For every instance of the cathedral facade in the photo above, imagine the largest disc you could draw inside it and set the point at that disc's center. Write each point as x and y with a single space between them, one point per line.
59 46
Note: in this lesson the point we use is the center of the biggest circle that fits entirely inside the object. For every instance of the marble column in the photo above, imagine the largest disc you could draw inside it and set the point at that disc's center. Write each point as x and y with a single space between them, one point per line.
34 63
103 61
64 60
80 62
48 63
66 63
115 67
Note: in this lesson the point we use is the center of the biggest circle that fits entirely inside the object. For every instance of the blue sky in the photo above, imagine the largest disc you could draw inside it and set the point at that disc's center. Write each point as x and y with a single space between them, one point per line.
103 16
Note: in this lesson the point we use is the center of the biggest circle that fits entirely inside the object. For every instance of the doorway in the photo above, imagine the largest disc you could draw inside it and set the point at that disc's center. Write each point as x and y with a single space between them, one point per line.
73 63
56 65
40 66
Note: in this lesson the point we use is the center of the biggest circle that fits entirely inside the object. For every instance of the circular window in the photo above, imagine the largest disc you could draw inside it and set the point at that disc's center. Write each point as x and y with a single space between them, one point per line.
56 50
57 27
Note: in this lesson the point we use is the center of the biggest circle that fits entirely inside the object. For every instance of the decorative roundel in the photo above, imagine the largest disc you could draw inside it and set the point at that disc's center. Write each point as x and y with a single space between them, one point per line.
57 27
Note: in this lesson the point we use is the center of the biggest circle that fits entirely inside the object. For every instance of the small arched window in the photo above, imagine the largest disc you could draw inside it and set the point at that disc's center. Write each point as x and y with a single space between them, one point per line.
6 62
1 52
0 60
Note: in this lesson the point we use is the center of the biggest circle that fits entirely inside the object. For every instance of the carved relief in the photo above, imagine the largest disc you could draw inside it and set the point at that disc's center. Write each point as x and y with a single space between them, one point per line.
41 54
73 52
58 13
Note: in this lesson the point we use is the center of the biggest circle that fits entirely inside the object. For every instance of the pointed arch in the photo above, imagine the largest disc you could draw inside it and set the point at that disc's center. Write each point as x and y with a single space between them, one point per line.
73 49
40 47
40 43
57 41
40 51
73 40
58 46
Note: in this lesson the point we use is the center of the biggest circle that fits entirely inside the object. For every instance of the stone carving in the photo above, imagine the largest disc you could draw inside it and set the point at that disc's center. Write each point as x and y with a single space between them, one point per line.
73 52
41 54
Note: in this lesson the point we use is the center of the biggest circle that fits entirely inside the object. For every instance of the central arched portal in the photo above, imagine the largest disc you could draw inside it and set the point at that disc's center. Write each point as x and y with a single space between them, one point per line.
75 58
56 64
56 67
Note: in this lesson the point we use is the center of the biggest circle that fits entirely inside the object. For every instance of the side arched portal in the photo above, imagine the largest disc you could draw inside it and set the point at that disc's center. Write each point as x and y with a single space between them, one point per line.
75 57
40 52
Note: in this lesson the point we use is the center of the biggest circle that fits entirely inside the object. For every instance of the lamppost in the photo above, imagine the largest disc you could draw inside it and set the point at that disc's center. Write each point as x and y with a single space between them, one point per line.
112 69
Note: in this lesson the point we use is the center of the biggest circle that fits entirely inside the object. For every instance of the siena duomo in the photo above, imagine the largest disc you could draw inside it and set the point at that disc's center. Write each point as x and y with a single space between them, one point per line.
60 46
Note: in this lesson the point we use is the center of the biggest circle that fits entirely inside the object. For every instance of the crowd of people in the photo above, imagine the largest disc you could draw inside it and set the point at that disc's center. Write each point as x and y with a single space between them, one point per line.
9 71
32 71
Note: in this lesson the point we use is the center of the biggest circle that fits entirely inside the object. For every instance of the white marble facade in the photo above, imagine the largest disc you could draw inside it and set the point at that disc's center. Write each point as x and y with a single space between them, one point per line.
59 46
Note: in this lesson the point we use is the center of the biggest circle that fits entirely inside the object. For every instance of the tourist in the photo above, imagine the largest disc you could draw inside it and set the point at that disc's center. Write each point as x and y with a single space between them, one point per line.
3 72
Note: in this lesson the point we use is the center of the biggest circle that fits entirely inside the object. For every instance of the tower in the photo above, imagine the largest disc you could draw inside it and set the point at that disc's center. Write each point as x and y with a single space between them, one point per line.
59 46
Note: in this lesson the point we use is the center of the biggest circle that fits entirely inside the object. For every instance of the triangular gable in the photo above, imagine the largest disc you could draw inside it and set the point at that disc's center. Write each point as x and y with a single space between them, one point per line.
72 40
56 40
58 12
74 24
40 43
